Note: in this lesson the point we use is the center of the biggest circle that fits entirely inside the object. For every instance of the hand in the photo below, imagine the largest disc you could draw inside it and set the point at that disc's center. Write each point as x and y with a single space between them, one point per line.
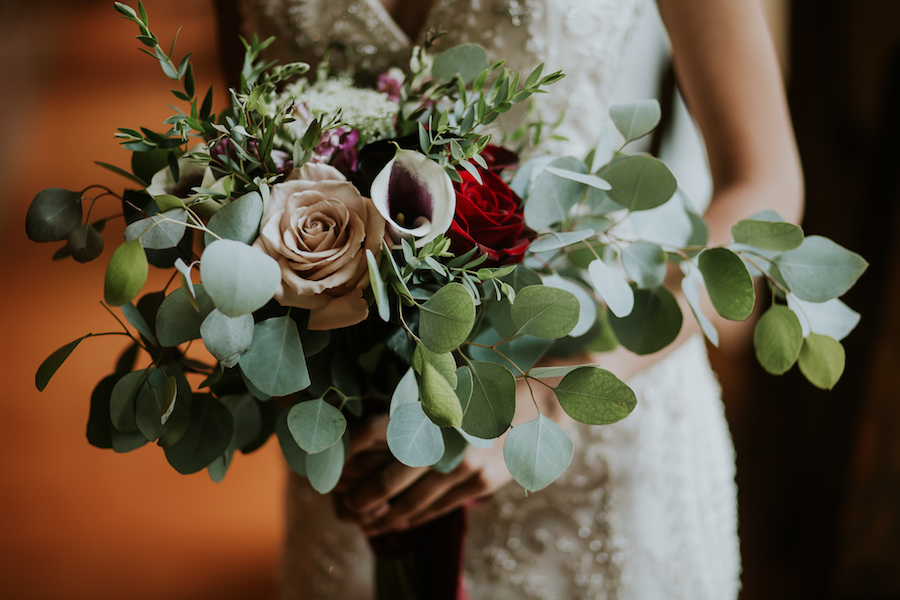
383 495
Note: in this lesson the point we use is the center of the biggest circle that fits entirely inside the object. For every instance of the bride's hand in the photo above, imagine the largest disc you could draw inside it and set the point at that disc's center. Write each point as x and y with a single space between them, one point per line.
383 495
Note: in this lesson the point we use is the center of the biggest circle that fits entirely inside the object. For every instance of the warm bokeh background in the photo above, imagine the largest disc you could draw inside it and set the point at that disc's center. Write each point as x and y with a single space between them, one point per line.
819 473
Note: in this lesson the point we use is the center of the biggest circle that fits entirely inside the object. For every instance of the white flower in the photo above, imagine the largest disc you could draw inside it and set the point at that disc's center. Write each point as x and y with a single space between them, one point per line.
415 196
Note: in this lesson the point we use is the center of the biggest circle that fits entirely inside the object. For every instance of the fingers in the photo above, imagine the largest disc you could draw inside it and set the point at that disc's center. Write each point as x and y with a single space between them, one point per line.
419 497
369 434
369 496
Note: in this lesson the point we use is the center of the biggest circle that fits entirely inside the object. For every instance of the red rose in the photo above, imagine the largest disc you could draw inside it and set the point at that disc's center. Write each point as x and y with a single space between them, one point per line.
499 158
489 216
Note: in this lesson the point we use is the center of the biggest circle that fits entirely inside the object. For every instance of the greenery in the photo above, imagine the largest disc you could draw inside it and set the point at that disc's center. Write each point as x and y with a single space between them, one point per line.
449 334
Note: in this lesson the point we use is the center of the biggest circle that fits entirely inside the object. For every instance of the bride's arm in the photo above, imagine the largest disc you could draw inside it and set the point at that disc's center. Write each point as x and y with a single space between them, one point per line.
729 76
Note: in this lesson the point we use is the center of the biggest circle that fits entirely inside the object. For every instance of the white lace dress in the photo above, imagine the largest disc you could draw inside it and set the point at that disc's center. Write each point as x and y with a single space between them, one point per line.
647 509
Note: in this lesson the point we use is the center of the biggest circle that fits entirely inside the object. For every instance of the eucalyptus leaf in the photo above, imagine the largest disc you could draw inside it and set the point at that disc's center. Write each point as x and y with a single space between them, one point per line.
820 269
444 363
274 363
159 231
612 288
728 283
126 274
324 469
207 437
379 290
226 337
821 360
768 235
550 198
407 391
640 182
133 316
690 287
777 339
84 243
516 353
652 325
53 362
439 399
595 396
545 312
316 425
446 318
585 178
603 151
177 321
238 221
293 453
239 278
554 240
645 264
637 119
492 400
412 437
537 453
123 398
587 314
467 61
53 213
455 446
832 318
553 372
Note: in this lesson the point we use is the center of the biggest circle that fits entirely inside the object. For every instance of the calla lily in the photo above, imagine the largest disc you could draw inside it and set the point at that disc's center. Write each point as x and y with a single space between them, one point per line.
415 196
191 174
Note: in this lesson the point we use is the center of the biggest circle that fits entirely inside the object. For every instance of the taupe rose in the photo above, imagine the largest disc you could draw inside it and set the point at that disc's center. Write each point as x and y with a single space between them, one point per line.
318 227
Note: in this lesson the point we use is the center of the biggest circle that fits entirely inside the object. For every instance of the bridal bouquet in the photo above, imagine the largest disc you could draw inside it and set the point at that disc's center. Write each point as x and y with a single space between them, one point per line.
338 250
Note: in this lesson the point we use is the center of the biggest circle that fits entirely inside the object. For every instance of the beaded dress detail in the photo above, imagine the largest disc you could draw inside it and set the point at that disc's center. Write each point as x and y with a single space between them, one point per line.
647 509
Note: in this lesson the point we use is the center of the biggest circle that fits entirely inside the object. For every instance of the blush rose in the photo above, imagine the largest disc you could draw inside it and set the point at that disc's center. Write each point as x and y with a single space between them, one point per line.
318 227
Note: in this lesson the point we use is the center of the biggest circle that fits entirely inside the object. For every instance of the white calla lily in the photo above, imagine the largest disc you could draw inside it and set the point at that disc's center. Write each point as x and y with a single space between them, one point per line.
415 196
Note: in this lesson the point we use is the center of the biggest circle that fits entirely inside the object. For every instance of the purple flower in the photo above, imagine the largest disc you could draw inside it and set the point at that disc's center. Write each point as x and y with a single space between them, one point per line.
390 83
338 148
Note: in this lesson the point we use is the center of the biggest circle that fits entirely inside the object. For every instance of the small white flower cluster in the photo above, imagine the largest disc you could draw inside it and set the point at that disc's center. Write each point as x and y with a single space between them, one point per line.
368 111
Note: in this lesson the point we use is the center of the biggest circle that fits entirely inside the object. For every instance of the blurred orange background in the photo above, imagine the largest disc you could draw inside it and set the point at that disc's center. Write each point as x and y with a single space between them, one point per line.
76 521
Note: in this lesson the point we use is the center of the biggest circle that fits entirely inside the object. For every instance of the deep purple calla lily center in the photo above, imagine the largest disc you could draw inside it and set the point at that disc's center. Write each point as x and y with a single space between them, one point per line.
409 199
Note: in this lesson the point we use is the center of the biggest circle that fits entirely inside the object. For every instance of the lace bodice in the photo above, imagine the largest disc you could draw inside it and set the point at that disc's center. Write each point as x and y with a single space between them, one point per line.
583 38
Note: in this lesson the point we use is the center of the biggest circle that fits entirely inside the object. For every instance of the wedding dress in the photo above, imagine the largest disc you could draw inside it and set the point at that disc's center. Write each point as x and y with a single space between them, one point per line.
647 509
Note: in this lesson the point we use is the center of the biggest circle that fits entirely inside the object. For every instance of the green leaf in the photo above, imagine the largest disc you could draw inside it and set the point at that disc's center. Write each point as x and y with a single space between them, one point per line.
553 240
324 468
84 243
832 318
523 352
444 363
491 403
126 274
820 269
652 325
275 363
690 287
207 436
587 315
412 437
455 446
612 288
163 230
316 425
177 321
595 396
293 454
645 264
640 182
138 322
53 213
407 391
238 221
728 283
465 60
545 312
635 120
768 235
777 339
53 362
239 278
537 453
550 198
439 399
226 337
821 360
123 398
379 290
585 178
446 318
